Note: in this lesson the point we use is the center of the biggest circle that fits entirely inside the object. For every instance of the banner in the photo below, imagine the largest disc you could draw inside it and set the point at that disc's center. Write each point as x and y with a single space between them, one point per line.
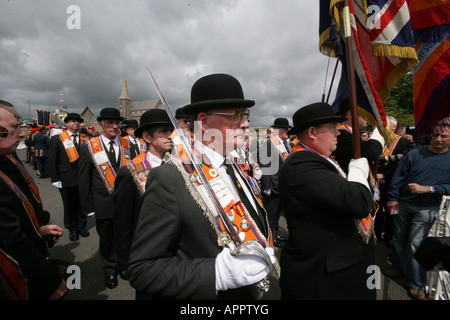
383 50
430 21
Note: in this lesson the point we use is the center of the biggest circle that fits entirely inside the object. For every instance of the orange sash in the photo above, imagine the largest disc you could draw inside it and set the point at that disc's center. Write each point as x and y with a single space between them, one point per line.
139 168
280 147
388 149
69 146
12 279
237 213
102 163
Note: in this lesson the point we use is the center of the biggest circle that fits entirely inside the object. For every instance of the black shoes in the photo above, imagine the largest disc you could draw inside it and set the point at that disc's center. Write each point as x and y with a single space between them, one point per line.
111 281
84 233
75 235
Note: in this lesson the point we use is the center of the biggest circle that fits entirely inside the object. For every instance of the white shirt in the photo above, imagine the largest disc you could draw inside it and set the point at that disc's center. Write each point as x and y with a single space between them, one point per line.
116 144
155 161
217 161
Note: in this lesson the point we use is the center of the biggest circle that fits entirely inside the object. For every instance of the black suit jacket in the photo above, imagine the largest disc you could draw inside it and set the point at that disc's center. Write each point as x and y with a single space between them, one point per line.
270 162
18 238
127 205
175 245
324 256
61 169
93 193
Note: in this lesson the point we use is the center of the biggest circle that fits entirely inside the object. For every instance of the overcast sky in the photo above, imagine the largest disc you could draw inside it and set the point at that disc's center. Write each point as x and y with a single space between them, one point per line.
271 47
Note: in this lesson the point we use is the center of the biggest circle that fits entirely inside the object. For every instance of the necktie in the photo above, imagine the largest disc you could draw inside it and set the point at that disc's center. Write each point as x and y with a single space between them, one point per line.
75 141
111 147
257 216
112 152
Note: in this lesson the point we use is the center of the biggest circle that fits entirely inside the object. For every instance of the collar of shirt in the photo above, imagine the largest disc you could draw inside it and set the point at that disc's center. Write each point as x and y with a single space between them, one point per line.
116 144
217 161
155 161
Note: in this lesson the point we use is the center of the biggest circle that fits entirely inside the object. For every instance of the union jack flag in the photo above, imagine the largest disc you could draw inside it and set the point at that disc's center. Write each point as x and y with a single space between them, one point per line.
383 51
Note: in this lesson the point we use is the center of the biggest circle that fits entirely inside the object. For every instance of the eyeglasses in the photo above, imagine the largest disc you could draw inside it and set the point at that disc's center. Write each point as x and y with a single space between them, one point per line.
237 114
3 132
334 127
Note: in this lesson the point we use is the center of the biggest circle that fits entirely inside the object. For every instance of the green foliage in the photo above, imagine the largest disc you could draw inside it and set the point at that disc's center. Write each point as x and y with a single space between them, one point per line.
400 103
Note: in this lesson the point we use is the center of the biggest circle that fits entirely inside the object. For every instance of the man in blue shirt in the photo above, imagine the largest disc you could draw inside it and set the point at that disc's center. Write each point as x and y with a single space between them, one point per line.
416 191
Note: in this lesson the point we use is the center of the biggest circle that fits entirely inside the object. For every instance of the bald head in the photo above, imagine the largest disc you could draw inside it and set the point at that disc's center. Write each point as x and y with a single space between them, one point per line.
5 105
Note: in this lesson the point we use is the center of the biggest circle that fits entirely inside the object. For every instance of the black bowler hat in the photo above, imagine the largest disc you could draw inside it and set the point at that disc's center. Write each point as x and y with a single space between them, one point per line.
110 114
216 91
281 123
153 118
180 114
312 115
73 116
130 123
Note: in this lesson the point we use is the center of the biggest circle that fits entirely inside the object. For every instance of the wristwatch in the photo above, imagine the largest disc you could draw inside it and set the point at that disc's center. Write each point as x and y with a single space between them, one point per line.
432 189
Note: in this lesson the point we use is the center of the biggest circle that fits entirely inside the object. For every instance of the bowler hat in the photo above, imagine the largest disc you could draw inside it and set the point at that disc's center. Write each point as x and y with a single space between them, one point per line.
73 116
110 114
281 123
180 114
313 114
130 123
153 118
216 91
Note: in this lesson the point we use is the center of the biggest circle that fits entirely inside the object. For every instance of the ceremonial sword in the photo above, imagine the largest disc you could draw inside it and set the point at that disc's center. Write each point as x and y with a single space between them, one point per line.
249 247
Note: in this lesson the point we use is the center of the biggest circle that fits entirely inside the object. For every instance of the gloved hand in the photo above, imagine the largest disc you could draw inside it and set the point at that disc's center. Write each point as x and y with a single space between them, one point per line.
358 171
57 184
238 271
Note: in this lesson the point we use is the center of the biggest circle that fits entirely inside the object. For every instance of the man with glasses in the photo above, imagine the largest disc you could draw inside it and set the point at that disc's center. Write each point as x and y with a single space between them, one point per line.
27 271
416 190
181 249
324 257
63 164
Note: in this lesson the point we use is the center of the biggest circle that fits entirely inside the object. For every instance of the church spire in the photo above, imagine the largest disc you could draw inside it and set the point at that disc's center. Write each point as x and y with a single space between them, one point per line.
124 94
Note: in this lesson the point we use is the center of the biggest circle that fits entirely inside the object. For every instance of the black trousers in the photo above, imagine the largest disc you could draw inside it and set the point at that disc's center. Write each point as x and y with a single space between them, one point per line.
74 219
107 252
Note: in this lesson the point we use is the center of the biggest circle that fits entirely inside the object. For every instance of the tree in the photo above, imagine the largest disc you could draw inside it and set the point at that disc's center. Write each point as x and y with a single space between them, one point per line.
400 104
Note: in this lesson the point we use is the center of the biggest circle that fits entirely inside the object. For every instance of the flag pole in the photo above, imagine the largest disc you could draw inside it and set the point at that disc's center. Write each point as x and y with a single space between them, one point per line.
351 79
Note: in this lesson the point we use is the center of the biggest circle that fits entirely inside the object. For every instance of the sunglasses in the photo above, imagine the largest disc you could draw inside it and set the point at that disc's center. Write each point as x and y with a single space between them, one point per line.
3 132
237 114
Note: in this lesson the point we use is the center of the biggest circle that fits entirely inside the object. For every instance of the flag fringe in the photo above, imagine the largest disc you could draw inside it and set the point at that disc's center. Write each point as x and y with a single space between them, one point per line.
386 132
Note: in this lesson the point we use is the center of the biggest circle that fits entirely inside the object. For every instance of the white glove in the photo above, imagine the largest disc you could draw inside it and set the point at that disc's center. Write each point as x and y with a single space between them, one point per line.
268 192
377 136
238 271
358 171
57 184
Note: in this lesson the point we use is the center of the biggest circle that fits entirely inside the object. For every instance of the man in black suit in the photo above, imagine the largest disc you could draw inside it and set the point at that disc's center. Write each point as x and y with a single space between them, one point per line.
136 144
272 154
327 253
27 271
63 164
180 248
100 159
156 130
